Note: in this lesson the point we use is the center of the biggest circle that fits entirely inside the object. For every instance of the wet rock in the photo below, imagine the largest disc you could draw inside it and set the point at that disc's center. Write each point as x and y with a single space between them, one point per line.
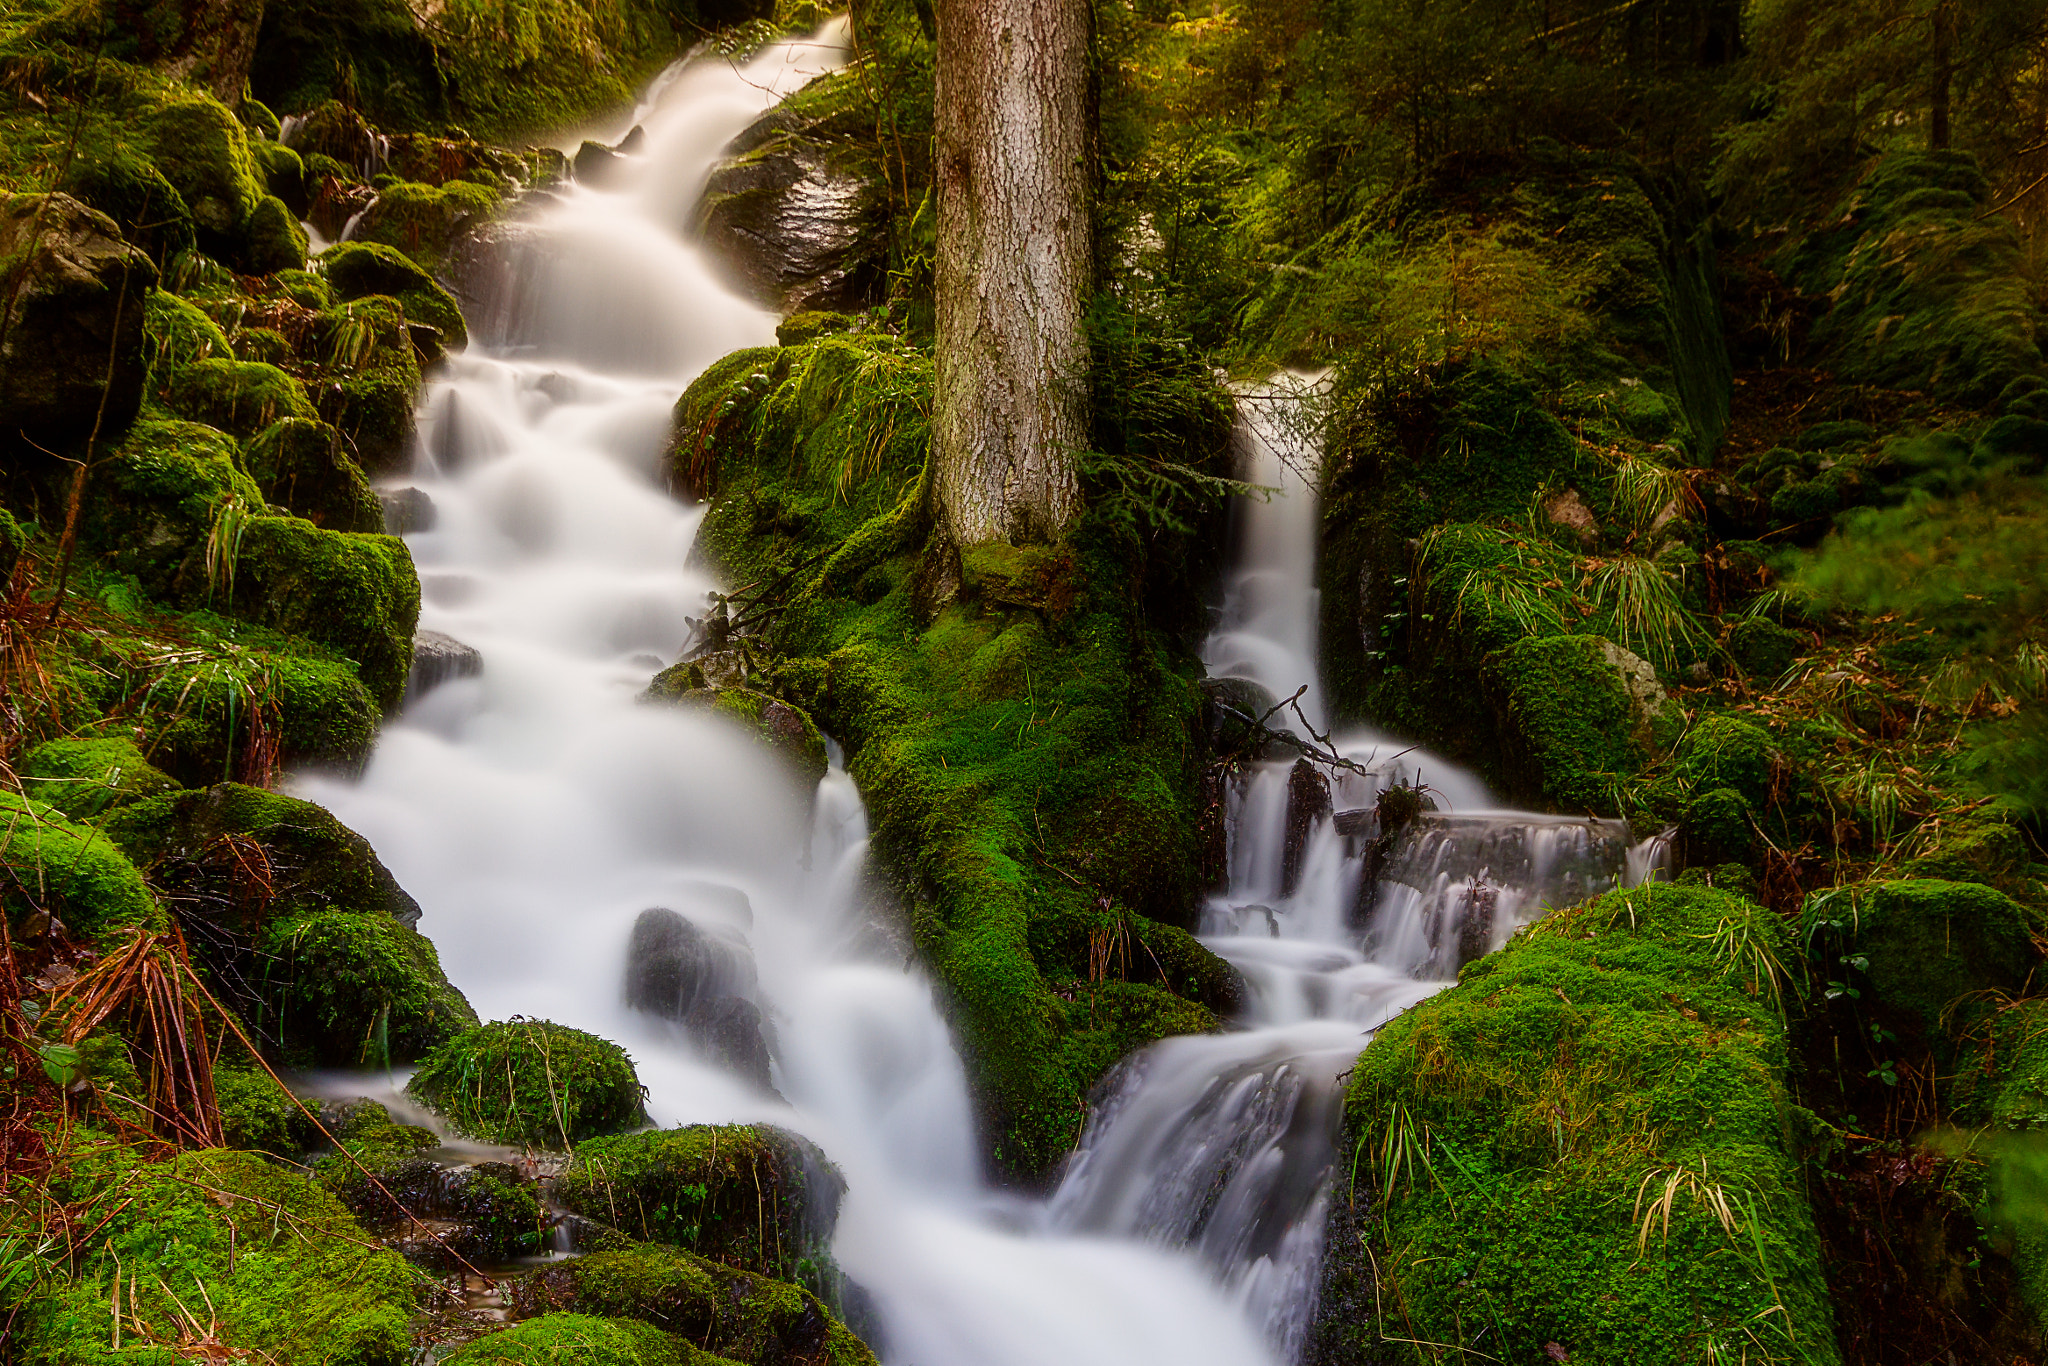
438 659
597 165
1308 802
779 725
1569 511
791 228
1476 913
1230 707
438 1215
703 982
1213 826
752 1196
77 290
406 511
1355 822
303 465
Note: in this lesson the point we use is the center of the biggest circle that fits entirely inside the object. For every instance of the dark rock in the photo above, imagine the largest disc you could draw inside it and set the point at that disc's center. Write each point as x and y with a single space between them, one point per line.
439 1216
1213 826
1308 801
77 292
1475 922
790 228
1359 822
703 982
597 165
438 659
406 511
1231 707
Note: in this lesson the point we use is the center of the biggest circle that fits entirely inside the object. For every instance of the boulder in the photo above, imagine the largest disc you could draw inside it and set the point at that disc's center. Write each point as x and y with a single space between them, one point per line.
71 356
790 228
703 982
1308 802
530 1082
303 465
438 659
406 511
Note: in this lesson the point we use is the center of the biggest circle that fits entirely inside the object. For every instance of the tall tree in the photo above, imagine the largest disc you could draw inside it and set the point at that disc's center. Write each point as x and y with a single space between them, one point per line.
1014 266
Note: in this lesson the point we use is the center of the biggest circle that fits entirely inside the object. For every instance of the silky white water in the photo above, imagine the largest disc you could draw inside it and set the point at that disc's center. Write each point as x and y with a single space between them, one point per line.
536 810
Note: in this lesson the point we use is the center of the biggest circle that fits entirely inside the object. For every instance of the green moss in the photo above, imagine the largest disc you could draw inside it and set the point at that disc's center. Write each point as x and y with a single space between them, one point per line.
268 1256
1763 649
1985 849
236 396
748 1196
784 729
1570 728
176 333
258 1114
202 150
731 1313
361 270
157 499
303 466
1727 752
71 870
305 933
83 778
353 592
423 221
1938 952
275 241
530 1082
1512 1133
580 1340
284 175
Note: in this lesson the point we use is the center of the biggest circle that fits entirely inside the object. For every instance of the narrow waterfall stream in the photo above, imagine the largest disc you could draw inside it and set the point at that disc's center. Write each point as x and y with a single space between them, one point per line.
536 810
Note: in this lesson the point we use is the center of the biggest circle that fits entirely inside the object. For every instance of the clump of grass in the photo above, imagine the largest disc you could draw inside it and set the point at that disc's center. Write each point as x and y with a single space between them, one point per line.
531 1082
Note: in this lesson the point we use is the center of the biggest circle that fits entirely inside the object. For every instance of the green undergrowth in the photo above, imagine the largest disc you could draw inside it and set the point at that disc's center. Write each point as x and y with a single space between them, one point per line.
1587 1142
581 1340
1024 734
532 1083
214 1247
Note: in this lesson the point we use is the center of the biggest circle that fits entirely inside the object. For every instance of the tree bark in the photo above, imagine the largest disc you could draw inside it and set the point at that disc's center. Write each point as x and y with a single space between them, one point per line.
1013 268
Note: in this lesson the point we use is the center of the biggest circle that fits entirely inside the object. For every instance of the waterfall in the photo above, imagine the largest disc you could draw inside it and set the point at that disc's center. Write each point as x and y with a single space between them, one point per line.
535 809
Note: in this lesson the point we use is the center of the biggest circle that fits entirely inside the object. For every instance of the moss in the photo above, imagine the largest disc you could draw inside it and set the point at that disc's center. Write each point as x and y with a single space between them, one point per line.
1570 730
482 1213
1510 1134
731 1313
799 328
1727 752
1938 952
784 729
1763 649
284 176
83 778
530 1082
274 239
70 870
302 466
424 221
748 1196
580 1340
298 925
286 1273
361 270
1984 849
202 150
119 179
353 592
258 1114
242 397
177 333
1928 288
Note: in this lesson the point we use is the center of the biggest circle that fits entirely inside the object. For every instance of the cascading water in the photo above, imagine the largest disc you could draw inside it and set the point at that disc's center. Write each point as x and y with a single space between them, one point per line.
1224 1144
537 812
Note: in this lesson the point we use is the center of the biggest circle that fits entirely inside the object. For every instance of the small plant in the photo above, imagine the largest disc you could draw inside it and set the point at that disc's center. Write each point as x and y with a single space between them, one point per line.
531 1082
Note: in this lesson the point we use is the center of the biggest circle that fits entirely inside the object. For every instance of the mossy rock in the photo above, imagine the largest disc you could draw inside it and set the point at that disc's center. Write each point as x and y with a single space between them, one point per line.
202 149
303 466
257 1114
581 1340
242 397
353 592
83 778
423 221
477 1213
1728 752
118 178
71 871
750 1196
299 926
1938 952
178 333
1985 849
274 239
1763 649
735 1314
360 270
1513 1124
285 1271
1572 730
284 176
531 1082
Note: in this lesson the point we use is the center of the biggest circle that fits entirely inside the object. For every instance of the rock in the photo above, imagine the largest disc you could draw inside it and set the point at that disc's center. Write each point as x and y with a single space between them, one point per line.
302 464
483 1213
1569 511
789 227
1230 706
438 659
1645 693
703 982
749 1195
1476 912
1308 802
78 302
1939 954
406 511
780 726
597 166
207 42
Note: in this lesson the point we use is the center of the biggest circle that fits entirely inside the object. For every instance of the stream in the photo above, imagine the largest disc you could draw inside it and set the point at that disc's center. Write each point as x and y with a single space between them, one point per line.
536 810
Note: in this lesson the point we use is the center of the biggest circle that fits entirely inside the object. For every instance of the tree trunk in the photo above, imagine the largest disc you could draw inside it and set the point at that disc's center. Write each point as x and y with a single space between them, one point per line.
1014 249
1944 77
